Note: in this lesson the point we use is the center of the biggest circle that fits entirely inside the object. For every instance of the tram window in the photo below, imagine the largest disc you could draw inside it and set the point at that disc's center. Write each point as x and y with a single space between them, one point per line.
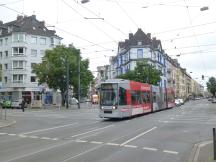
146 97
122 96
133 98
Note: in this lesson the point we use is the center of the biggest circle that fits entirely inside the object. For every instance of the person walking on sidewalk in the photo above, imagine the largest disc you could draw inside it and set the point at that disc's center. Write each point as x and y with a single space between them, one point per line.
23 105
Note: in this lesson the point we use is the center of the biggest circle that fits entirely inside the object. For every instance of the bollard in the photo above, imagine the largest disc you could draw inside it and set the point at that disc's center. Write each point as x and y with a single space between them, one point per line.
214 143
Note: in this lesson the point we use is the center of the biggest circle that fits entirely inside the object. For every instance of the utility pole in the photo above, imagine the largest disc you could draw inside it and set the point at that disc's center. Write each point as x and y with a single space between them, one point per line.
67 82
79 80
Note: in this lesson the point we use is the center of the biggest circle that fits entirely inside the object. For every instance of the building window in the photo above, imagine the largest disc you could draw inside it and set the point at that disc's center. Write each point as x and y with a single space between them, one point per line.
1 42
52 41
18 78
32 65
33 40
42 53
18 51
6 66
0 66
33 52
6 54
33 79
140 53
18 37
42 41
17 64
0 55
139 43
10 29
6 41
5 79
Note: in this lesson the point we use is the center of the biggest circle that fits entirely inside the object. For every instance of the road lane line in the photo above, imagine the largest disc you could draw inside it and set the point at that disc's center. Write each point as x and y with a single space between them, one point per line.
54 139
112 144
41 130
126 142
23 136
95 142
170 152
150 148
92 131
81 141
12 134
34 137
45 138
130 146
3 133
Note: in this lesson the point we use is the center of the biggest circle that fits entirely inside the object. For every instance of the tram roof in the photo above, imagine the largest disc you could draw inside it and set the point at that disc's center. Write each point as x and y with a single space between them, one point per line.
116 81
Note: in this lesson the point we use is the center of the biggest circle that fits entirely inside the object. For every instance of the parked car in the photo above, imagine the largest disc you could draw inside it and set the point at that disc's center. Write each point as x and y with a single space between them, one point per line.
16 104
6 104
181 101
177 102
214 100
210 99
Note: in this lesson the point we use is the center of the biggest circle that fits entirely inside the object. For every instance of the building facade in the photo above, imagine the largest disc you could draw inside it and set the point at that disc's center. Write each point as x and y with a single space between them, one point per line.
22 45
139 46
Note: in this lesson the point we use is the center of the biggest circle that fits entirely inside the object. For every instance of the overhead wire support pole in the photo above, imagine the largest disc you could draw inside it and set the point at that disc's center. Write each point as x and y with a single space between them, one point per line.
67 83
79 80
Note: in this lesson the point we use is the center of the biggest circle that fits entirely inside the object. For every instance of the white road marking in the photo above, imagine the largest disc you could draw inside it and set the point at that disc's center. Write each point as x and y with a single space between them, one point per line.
54 139
34 137
170 152
45 138
112 144
124 143
150 148
41 130
81 141
95 142
130 146
92 131
23 136
12 134
3 133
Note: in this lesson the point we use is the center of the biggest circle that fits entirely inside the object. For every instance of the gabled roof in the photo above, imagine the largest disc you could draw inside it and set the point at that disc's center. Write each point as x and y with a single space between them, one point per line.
29 25
139 36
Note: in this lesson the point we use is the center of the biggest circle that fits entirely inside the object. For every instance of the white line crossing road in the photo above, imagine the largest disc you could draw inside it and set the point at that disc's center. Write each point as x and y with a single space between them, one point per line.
92 142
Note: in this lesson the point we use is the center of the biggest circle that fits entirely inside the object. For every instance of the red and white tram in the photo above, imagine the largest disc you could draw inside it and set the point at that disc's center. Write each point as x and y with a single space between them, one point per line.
124 98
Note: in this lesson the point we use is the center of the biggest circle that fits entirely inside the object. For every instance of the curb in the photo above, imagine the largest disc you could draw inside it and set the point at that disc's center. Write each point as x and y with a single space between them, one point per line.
9 124
196 150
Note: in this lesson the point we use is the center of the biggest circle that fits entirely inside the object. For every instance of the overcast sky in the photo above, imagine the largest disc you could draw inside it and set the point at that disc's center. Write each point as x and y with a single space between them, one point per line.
179 24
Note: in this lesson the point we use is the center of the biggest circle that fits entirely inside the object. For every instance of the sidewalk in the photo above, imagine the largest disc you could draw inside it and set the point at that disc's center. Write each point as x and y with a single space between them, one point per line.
202 152
6 123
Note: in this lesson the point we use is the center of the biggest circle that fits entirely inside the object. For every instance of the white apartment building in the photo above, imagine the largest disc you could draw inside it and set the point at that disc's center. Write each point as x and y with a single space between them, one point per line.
22 45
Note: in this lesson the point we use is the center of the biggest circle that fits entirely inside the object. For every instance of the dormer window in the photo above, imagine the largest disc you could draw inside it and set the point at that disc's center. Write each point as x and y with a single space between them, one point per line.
10 28
34 28
139 43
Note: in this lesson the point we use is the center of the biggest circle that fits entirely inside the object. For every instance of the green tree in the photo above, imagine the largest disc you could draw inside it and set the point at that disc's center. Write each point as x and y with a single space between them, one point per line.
52 70
211 85
144 73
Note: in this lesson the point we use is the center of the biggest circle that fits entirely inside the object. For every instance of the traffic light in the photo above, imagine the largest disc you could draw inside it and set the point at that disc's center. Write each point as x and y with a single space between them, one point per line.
202 77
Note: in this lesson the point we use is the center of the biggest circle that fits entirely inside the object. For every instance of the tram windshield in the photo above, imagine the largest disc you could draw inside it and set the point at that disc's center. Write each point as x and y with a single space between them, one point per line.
109 94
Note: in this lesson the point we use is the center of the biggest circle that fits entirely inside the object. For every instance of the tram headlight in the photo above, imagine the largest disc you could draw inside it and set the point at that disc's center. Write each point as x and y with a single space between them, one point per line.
102 107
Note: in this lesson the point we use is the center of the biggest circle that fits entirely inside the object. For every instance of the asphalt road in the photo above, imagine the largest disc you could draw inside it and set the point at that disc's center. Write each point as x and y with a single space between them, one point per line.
53 135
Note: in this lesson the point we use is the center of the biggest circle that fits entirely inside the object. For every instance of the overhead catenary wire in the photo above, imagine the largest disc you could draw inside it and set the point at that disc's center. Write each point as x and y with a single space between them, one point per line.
104 20
88 21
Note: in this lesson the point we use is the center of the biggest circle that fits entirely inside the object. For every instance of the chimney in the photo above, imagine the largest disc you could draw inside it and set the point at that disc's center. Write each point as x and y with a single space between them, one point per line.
42 23
33 17
19 17
149 35
130 36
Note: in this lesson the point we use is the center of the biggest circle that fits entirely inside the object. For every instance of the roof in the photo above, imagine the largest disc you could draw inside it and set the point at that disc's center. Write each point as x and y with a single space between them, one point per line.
139 36
28 24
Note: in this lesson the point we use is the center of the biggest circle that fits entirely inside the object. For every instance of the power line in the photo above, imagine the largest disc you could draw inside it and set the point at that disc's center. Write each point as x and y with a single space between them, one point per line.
88 21
116 28
81 38
203 45
126 14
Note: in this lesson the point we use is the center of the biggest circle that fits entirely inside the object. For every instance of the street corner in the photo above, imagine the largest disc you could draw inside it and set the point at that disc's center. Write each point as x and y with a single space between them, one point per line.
202 152
7 122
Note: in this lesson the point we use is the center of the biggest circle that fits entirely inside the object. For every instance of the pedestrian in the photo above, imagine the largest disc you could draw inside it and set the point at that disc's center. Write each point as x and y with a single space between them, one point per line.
23 105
